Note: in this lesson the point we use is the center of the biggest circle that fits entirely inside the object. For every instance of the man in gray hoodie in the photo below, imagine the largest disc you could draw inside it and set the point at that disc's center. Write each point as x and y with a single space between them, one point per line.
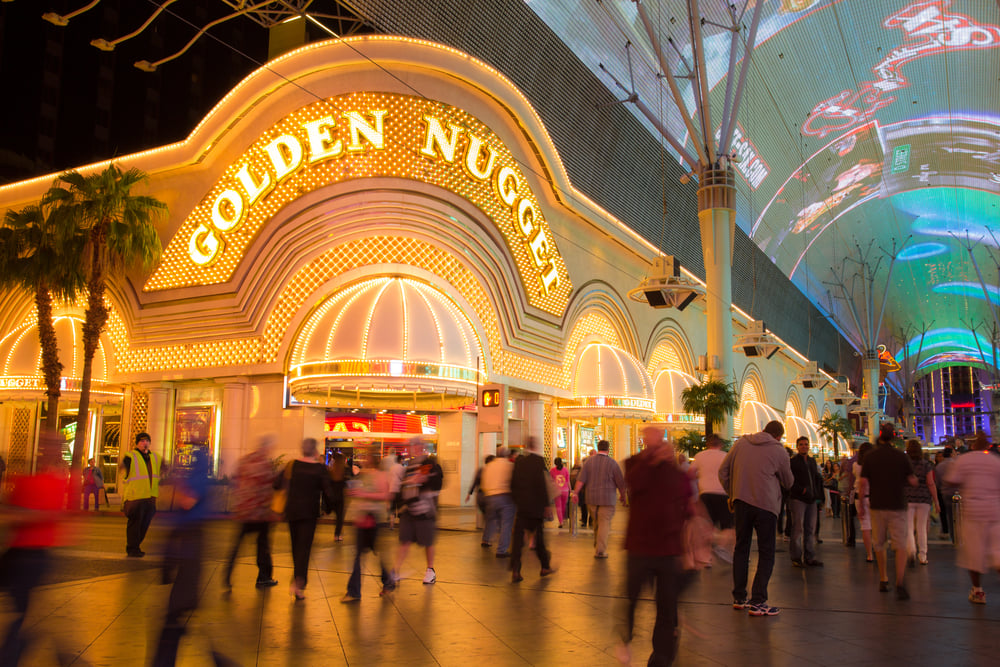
753 473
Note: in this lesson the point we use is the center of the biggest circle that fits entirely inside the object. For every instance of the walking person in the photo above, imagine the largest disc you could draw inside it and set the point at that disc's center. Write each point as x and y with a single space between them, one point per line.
977 477
862 503
919 500
705 469
753 474
945 491
417 520
530 490
252 493
884 474
603 478
659 503
140 473
370 500
477 488
500 508
338 474
93 482
802 496
308 484
560 477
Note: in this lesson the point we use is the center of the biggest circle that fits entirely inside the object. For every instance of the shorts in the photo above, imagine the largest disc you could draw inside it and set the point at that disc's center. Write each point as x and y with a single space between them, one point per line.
889 525
866 522
416 529
979 545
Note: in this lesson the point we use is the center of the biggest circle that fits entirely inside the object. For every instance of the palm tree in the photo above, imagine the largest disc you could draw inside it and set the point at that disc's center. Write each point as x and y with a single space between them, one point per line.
37 254
714 398
121 233
834 425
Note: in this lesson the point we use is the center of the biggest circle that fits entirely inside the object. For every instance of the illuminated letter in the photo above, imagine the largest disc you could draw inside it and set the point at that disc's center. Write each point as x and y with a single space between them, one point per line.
472 158
539 248
254 190
359 126
229 217
508 194
526 214
436 135
321 143
286 155
550 278
204 245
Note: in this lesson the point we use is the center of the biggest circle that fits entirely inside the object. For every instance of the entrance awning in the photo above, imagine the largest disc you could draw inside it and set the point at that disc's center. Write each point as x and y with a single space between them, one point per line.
755 415
667 388
796 427
608 382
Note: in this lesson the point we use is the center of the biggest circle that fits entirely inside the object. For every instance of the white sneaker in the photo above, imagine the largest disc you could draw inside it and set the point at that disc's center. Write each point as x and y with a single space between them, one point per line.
429 576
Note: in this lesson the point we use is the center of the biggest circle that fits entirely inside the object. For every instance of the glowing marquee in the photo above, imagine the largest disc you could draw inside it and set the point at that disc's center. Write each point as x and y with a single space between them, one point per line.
366 135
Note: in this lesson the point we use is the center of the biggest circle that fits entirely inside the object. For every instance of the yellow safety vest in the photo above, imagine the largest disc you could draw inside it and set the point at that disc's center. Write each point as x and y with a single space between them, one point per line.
140 482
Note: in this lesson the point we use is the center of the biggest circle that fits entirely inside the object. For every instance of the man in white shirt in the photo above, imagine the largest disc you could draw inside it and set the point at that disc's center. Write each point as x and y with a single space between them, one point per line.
705 469
500 508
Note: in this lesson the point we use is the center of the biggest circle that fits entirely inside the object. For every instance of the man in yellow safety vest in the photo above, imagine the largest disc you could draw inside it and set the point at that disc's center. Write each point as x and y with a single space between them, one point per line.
141 474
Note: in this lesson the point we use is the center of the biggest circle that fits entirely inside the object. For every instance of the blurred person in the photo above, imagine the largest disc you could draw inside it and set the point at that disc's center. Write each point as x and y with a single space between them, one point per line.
417 521
396 472
500 508
93 482
862 503
659 503
834 488
33 511
185 550
574 474
753 474
805 490
977 477
884 474
252 495
369 504
705 468
945 490
560 477
477 488
919 499
338 474
603 478
530 490
309 485
140 473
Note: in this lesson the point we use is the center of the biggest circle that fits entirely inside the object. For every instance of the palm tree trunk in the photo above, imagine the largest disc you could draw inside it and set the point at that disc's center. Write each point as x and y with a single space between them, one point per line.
708 429
95 317
51 368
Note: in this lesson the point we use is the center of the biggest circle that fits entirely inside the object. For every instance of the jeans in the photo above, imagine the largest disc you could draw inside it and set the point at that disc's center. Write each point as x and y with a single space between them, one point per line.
91 491
748 520
803 518
602 515
264 565
500 511
367 540
665 570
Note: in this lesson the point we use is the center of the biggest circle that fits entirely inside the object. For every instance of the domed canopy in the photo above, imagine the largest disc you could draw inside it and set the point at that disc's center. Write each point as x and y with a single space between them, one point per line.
796 427
667 389
387 342
755 415
609 382
21 362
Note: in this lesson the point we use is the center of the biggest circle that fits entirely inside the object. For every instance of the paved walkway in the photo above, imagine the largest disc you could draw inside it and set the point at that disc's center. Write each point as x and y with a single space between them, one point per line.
105 610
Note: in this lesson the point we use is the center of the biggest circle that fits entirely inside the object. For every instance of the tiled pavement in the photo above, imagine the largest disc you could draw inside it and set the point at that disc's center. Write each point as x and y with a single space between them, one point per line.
105 610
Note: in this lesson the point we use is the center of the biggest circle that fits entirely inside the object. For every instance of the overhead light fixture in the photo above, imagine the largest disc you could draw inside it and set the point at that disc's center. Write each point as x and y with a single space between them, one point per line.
810 377
666 286
841 393
757 342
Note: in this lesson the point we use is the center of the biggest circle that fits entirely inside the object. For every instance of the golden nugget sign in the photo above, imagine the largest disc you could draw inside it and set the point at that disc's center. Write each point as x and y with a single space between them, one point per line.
366 135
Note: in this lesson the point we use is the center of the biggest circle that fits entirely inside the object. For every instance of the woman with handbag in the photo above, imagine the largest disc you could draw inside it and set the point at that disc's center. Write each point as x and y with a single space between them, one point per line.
307 482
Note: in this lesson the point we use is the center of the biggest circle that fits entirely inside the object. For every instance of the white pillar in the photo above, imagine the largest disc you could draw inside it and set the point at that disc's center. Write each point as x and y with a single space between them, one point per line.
717 220
158 419
870 371
233 433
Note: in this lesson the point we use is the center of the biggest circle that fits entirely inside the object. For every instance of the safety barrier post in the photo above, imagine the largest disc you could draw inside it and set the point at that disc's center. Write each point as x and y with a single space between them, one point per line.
571 516
845 518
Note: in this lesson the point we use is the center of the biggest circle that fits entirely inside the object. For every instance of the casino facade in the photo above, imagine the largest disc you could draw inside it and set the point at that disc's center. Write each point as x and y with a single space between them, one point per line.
371 239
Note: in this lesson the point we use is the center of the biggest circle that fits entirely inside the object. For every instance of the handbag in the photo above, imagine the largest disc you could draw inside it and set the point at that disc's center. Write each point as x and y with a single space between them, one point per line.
280 497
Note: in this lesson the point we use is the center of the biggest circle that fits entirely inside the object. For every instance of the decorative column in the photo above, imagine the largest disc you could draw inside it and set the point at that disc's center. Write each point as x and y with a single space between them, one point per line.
233 425
717 219
158 419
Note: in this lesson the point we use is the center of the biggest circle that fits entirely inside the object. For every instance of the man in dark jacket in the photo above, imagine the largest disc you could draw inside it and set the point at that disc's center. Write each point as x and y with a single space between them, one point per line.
806 489
529 487
659 498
